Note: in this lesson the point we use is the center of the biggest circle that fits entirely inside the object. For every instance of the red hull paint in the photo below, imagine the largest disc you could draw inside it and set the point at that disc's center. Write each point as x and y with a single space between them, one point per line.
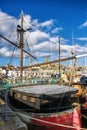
68 118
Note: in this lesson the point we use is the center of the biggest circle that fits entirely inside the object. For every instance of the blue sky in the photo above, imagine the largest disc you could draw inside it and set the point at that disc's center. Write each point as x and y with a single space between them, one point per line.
49 19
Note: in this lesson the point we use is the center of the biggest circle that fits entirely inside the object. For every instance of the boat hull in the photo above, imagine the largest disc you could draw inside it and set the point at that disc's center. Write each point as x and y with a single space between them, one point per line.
65 120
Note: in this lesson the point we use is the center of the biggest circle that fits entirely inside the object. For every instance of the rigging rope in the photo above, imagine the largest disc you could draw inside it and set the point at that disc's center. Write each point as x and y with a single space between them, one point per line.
60 102
27 43
12 56
40 31
7 19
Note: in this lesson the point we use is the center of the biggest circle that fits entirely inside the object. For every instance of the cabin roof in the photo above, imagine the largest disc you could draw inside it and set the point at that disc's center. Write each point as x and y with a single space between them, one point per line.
54 90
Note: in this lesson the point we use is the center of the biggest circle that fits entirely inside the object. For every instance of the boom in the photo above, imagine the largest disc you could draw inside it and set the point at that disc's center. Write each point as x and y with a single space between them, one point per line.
17 46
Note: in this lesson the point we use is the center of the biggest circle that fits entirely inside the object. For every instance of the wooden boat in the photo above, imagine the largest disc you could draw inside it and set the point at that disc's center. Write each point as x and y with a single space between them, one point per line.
48 107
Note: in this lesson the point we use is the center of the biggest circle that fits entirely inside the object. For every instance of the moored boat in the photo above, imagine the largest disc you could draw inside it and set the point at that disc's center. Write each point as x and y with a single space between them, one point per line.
47 107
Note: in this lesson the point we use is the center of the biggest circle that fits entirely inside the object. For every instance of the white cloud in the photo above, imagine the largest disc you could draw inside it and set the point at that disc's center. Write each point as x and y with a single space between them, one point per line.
8 26
80 49
82 39
45 46
66 48
35 22
83 25
41 43
5 52
27 21
56 40
46 23
56 30
43 54
36 37
8 29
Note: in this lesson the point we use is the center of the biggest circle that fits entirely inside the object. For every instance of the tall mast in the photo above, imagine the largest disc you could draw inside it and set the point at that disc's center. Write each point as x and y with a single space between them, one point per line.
31 67
21 45
21 34
73 42
75 66
59 54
